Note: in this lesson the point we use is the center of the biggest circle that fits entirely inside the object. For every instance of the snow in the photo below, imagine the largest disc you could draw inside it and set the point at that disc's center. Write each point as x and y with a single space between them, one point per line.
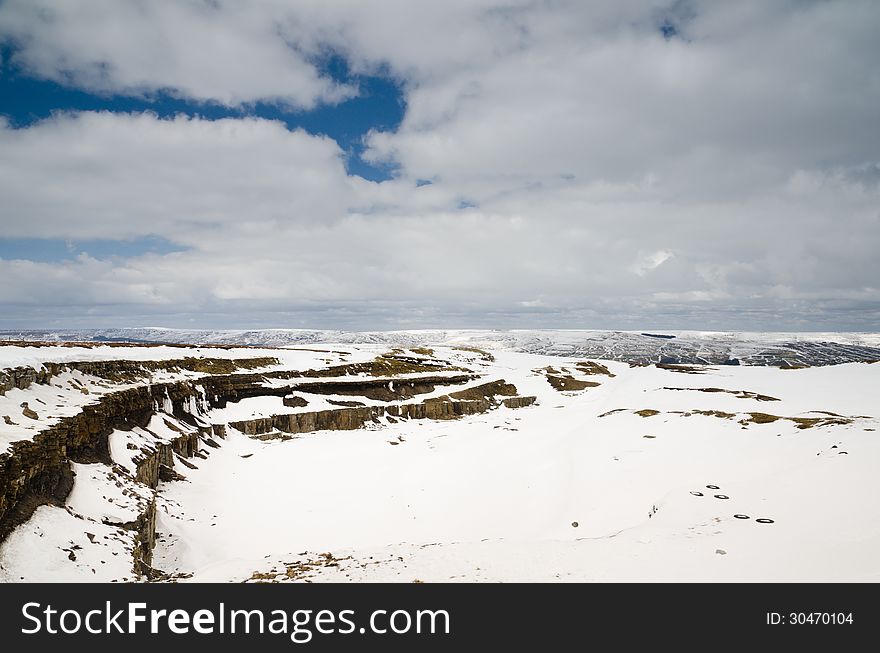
60 398
19 356
493 497
255 407
814 348
40 550
63 396
102 495
318 338
251 408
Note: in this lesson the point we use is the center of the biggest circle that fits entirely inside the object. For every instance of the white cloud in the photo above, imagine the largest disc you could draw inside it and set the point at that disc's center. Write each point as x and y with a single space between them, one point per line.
725 112
111 175
650 262
226 52
724 178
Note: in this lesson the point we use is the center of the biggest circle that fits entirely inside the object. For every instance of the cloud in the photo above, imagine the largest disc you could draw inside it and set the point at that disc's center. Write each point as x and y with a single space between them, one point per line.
224 52
651 262
116 175
586 169
612 99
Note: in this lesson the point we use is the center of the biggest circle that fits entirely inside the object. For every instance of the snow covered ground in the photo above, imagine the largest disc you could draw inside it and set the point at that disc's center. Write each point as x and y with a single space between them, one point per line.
751 348
69 391
653 474
494 497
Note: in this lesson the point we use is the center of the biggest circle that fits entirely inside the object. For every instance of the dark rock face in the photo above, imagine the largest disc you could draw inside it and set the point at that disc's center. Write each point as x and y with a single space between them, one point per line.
149 468
145 539
443 408
124 370
33 472
37 471
519 402
383 389
344 419
21 378
337 420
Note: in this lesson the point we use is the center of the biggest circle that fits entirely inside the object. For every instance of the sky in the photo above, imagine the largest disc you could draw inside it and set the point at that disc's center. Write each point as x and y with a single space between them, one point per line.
637 164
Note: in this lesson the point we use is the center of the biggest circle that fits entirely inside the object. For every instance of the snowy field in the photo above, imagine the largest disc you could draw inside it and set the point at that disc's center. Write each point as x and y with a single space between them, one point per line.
736 473
495 497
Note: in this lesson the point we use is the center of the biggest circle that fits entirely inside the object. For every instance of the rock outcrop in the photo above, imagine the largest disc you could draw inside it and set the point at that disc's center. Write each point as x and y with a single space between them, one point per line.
21 378
467 402
37 470
519 402
125 370
144 528
383 389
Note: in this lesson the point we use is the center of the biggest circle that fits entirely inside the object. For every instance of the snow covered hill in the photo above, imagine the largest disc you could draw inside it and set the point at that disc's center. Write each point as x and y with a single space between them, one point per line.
778 349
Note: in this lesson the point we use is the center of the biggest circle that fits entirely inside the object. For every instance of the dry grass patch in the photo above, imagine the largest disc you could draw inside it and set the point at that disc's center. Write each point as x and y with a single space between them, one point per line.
800 422
562 380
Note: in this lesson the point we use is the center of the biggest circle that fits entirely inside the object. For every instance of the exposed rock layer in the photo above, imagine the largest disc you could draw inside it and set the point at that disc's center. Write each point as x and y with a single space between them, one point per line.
37 470
344 419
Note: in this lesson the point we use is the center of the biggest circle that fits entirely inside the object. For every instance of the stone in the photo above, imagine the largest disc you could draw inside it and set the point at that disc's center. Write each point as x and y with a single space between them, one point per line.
27 412
519 402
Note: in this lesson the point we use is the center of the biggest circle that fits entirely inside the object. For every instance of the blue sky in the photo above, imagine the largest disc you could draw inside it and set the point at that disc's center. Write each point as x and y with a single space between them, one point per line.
46 250
25 100
642 165
379 105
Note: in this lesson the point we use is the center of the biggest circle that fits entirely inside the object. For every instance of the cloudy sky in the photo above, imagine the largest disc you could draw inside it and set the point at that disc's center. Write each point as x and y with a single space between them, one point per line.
409 164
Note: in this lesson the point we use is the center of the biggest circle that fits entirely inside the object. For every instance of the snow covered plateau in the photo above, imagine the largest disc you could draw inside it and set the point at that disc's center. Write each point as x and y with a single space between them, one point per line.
432 456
